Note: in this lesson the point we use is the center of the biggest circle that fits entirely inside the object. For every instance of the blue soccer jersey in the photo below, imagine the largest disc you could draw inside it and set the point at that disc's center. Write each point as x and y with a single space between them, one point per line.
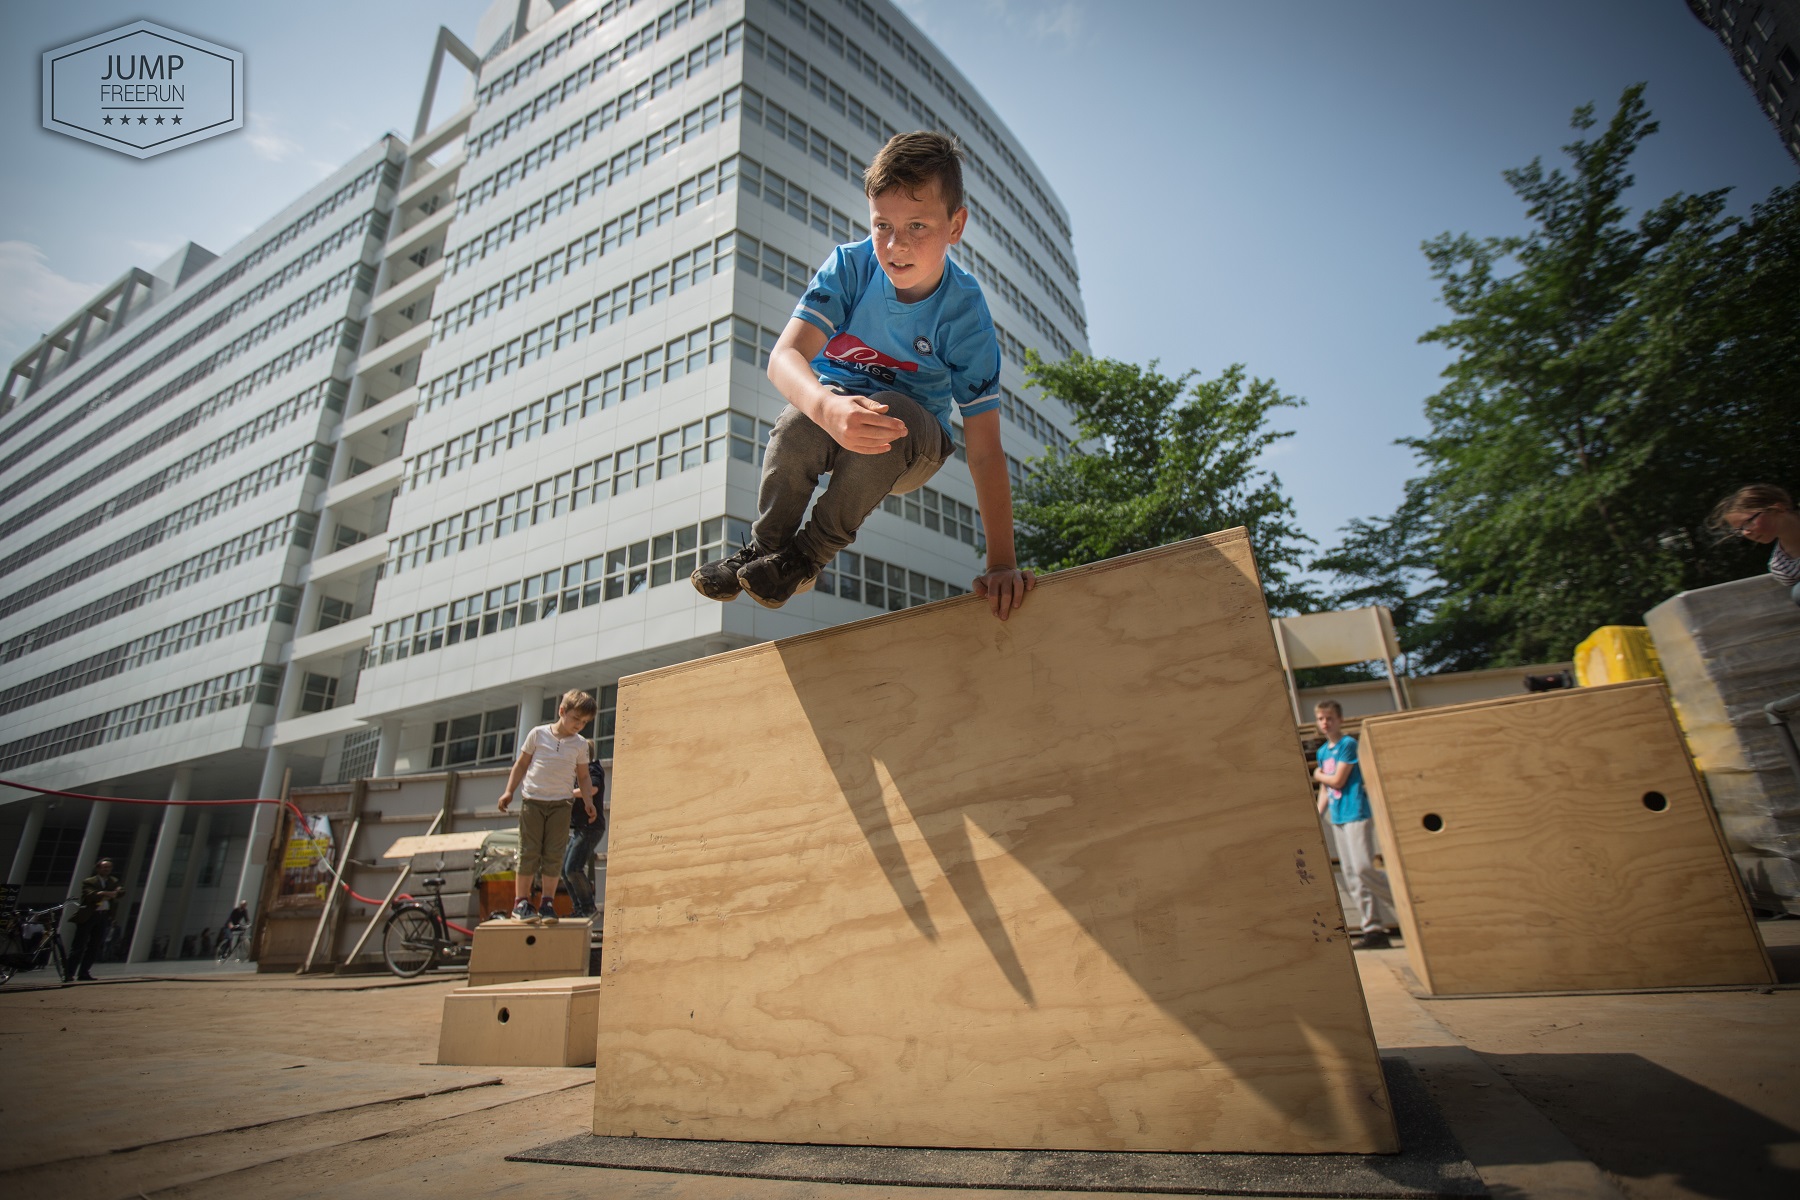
940 351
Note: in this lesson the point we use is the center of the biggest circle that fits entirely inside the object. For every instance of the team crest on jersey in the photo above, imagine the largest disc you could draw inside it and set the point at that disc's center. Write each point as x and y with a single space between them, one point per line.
922 344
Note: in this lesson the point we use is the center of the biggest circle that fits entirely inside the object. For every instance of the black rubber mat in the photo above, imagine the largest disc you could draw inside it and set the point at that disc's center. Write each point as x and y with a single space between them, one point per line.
1430 1163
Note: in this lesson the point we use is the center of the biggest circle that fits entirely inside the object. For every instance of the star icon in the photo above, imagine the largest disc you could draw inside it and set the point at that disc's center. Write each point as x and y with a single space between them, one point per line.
177 120
159 120
143 120
106 120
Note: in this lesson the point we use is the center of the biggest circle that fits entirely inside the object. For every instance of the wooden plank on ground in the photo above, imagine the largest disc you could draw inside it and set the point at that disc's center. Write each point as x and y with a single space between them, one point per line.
1557 842
931 879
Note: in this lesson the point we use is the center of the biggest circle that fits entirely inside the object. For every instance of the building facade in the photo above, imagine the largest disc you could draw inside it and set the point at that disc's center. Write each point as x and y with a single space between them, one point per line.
1763 39
534 400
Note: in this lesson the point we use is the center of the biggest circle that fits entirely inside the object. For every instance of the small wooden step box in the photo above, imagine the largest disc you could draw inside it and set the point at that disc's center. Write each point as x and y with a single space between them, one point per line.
534 1023
515 951
1556 843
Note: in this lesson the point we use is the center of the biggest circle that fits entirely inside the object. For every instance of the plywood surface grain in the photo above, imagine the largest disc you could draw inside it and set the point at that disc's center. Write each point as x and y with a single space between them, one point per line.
1547 869
934 880
545 1023
522 950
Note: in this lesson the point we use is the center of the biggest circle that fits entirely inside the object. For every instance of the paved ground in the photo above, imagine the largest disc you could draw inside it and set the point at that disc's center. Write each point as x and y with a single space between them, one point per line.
223 1083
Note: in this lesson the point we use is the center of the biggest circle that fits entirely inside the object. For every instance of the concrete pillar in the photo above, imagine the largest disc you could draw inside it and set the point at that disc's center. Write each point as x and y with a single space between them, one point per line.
134 864
160 860
387 750
84 858
531 701
262 825
28 839
196 859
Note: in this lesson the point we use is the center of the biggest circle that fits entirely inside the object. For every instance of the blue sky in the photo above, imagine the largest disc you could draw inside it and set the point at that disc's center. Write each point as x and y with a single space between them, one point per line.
1247 182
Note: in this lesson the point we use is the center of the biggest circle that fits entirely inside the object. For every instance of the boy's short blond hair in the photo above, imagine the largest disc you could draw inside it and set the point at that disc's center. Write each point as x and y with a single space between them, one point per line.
1333 705
911 160
576 700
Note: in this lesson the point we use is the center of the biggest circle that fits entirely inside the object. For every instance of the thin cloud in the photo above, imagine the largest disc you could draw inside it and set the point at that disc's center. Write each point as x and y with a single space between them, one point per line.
267 141
33 298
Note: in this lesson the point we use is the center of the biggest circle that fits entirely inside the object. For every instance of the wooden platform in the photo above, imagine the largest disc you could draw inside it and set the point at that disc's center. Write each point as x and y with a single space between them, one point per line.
1556 843
513 951
538 1023
934 880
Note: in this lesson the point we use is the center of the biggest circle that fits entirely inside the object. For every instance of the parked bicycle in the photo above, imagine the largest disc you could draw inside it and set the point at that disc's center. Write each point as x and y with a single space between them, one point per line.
417 936
34 942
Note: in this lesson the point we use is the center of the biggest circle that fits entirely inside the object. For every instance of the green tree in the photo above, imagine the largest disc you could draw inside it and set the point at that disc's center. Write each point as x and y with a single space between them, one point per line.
1164 461
1613 379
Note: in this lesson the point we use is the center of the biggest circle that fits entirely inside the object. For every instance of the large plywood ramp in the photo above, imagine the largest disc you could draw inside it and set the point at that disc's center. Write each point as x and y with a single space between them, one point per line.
934 880
1556 843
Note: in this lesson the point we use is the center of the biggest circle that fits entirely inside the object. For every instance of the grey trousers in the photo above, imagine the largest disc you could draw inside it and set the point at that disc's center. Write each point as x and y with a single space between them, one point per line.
1367 883
800 452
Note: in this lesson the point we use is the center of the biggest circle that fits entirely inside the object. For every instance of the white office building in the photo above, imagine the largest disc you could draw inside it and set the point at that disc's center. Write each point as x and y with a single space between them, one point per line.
367 492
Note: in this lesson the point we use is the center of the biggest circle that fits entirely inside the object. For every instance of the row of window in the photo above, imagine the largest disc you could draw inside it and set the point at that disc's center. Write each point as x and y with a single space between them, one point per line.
386 172
641 153
276 603
1022 414
851 49
676 275
783 194
295 529
979 266
360 275
529 65
590 316
685 196
681 449
875 69
601 390
885 585
314 459
797 132
989 225
621 571
476 738
938 513
329 392
669 75
341 334
251 685
189 465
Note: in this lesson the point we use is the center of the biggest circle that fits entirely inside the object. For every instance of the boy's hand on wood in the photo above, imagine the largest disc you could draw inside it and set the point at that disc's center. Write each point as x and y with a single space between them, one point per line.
859 424
1004 589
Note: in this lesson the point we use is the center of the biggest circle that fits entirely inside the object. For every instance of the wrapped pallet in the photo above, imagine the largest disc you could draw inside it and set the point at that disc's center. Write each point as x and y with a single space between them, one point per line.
1727 651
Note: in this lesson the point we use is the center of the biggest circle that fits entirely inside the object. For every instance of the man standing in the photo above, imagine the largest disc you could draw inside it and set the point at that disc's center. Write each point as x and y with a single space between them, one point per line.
587 825
1345 804
99 901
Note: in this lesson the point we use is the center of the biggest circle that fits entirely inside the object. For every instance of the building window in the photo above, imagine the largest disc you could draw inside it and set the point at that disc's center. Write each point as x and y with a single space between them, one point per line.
318 693
357 759
334 612
475 740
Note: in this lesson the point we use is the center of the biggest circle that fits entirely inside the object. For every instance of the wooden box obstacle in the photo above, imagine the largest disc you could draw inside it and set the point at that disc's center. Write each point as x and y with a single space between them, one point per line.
513 951
536 1023
1556 843
933 880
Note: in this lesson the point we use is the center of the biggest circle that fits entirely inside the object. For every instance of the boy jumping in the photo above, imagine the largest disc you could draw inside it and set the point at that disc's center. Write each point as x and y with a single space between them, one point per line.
889 334
550 769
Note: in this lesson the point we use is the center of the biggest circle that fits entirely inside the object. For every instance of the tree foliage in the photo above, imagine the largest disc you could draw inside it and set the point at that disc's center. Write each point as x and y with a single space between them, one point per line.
1612 379
1165 458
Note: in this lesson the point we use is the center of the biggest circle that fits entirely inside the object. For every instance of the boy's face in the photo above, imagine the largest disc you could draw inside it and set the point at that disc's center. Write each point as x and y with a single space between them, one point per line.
913 231
573 720
1329 723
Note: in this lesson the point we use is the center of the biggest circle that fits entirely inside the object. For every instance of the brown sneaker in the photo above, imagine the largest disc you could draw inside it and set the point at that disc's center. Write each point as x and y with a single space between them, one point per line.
774 579
718 580
1374 939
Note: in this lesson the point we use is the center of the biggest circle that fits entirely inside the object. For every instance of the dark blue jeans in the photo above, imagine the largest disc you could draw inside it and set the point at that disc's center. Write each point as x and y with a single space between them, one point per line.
577 865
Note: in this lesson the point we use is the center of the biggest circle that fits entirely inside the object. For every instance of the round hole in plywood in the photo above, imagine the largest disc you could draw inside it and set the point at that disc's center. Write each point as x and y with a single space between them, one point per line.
531 939
1433 822
505 1016
1656 801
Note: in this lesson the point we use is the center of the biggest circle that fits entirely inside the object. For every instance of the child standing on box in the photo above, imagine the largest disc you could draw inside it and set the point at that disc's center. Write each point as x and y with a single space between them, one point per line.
888 336
550 770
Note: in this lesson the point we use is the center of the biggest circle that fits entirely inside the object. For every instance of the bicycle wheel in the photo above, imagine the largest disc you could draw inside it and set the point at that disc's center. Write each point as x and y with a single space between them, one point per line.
409 943
12 954
226 946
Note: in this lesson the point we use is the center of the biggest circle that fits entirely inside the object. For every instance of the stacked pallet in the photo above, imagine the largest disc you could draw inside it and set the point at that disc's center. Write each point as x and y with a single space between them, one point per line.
1727 651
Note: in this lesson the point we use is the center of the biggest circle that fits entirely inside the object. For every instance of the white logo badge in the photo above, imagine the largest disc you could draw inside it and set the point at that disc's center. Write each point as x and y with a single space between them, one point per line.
922 344
143 90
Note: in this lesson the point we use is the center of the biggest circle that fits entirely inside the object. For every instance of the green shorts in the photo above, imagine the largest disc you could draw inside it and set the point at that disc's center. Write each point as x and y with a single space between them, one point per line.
543 837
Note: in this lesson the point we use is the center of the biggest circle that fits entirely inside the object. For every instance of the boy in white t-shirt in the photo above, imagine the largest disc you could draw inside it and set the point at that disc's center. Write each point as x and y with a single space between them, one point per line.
550 769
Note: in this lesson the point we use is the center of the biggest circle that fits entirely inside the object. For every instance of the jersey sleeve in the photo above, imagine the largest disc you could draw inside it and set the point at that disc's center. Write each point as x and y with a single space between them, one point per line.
1346 750
831 296
975 373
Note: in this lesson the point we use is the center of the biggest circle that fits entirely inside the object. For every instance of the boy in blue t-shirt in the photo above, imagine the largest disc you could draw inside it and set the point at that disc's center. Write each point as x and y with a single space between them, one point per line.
888 336
1345 803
